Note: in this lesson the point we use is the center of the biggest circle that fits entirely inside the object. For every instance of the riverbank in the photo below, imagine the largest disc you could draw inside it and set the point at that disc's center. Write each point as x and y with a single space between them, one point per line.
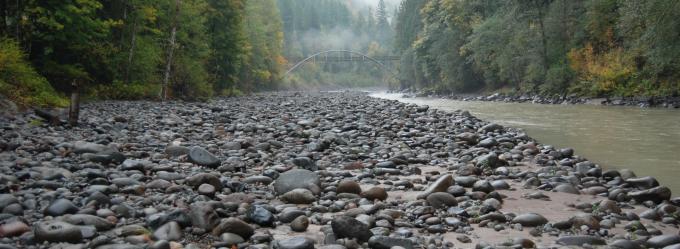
641 101
311 170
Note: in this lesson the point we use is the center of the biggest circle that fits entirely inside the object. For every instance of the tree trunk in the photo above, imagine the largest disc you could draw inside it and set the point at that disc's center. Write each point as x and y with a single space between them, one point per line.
18 17
74 108
544 40
171 48
131 52
3 17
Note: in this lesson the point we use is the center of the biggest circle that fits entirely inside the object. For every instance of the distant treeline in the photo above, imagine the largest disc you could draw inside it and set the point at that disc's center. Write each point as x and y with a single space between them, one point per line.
550 47
311 26
132 49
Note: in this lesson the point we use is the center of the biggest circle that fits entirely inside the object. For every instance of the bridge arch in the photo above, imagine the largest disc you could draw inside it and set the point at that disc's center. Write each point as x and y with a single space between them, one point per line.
377 62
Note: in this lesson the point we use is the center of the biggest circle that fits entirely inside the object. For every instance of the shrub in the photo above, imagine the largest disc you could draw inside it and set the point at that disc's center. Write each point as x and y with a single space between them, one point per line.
121 91
21 83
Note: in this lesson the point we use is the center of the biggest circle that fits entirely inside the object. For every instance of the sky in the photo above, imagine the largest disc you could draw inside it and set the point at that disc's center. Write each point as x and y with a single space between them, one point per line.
364 4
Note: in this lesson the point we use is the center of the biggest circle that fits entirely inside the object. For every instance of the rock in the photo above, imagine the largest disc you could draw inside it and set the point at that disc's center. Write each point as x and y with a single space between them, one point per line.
6 200
441 200
12 229
482 186
656 194
61 207
231 239
440 185
463 238
204 216
609 206
89 220
264 180
260 215
201 178
490 161
56 231
171 231
300 224
385 242
585 220
348 186
662 241
468 137
296 178
119 246
176 151
580 240
81 147
206 189
305 163
530 219
646 182
625 244
294 243
375 193
490 127
288 216
202 157
299 196
348 227
235 226
488 143
500 185
567 188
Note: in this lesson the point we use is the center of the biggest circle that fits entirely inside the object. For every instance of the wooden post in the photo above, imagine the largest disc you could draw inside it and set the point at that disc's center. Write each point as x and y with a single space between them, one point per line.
74 108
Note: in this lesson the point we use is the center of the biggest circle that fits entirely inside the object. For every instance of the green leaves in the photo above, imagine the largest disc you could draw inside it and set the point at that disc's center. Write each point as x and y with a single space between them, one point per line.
616 47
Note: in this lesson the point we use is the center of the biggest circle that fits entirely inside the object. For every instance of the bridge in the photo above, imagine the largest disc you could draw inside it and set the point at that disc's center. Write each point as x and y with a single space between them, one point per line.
343 56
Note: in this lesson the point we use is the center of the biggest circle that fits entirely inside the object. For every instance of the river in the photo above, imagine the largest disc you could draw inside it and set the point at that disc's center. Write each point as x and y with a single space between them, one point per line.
645 140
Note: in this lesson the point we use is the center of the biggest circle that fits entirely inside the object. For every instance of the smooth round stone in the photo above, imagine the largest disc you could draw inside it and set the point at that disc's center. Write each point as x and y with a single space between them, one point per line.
260 215
56 231
294 243
294 179
300 224
61 207
482 186
234 225
299 196
385 242
203 157
500 184
375 193
567 188
231 239
441 200
206 189
530 219
348 227
170 231
663 240
348 186
13 229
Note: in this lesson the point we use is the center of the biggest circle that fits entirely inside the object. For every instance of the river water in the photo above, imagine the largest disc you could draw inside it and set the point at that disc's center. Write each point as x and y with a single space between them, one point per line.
645 140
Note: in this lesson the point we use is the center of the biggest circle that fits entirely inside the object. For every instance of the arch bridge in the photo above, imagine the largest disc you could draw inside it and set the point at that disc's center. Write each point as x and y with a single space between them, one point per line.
345 56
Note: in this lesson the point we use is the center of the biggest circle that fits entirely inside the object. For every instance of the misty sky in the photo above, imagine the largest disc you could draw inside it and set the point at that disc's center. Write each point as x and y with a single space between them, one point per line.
391 4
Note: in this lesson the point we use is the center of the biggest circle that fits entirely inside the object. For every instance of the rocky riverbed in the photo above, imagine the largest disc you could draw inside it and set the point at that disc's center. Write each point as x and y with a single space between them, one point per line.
640 101
311 170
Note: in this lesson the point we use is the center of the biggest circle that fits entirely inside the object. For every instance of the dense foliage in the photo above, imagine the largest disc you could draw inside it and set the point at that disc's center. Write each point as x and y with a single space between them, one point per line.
585 47
131 49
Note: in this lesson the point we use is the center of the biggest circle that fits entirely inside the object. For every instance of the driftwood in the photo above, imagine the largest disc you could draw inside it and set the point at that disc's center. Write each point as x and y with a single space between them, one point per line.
51 117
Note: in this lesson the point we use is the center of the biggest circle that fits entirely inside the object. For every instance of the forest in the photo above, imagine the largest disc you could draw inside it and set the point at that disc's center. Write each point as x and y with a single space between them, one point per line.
548 47
198 49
